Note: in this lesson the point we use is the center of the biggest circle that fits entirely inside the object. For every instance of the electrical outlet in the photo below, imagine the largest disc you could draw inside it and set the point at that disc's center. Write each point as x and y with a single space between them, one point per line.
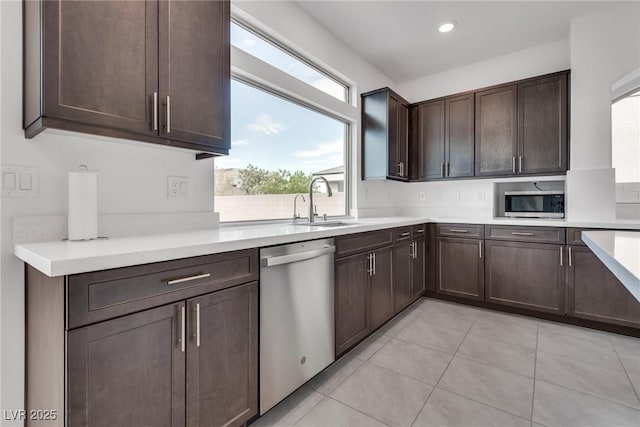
177 186
481 195
456 195
421 196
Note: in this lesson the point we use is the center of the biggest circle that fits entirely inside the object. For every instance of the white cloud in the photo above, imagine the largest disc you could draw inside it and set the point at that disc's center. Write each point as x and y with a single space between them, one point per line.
264 123
238 142
331 149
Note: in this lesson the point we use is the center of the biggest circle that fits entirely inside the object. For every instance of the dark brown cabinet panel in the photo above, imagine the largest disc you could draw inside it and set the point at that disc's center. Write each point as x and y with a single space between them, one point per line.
351 301
526 275
381 291
100 64
222 364
418 266
194 71
525 234
155 71
460 267
385 135
459 140
360 242
594 293
496 131
128 372
542 125
428 142
402 266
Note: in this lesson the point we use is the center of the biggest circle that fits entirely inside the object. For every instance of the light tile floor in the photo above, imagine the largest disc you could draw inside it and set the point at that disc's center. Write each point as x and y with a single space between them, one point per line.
446 364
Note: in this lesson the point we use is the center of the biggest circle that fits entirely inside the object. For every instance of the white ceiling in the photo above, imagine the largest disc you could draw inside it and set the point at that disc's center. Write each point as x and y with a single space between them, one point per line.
401 38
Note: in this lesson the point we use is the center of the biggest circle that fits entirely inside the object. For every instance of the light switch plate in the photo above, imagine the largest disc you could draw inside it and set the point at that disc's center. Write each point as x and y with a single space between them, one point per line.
20 181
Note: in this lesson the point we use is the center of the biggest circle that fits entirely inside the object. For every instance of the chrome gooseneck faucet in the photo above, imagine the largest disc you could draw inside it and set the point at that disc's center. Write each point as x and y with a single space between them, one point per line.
329 193
296 215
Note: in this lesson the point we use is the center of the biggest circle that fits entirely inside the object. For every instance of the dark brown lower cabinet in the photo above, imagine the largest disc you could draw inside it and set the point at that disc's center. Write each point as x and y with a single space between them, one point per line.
128 371
402 286
222 357
381 291
594 293
351 301
134 370
418 269
526 275
460 267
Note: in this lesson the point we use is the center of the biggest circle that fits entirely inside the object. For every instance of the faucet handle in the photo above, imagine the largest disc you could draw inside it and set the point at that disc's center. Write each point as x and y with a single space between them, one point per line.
324 216
315 210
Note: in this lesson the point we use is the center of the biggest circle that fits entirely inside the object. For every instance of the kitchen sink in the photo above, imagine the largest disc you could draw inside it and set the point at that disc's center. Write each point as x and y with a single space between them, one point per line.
325 223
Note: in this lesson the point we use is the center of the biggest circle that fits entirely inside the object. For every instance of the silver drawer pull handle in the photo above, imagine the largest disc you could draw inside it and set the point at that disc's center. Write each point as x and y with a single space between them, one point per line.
168 114
155 110
455 230
198 325
520 233
405 234
188 279
420 230
183 328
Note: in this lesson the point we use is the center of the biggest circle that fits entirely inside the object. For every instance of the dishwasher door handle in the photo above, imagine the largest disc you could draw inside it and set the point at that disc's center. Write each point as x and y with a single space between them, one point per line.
271 261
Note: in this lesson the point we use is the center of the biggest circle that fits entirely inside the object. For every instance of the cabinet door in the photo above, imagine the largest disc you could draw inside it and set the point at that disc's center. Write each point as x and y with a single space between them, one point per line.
401 267
418 264
101 63
128 371
595 293
496 131
431 140
351 301
527 275
194 71
222 365
381 290
542 125
403 139
459 136
393 156
460 268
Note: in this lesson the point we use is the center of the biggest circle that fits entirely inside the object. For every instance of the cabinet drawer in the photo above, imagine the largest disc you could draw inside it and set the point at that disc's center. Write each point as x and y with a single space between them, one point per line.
460 230
526 234
574 236
361 242
401 234
107 294
419 231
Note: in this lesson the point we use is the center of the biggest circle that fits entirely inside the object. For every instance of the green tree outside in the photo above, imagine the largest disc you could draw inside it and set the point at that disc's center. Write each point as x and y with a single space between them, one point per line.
254 180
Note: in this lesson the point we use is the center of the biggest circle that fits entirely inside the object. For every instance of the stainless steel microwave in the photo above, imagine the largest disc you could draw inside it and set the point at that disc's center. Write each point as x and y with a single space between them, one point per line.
534 204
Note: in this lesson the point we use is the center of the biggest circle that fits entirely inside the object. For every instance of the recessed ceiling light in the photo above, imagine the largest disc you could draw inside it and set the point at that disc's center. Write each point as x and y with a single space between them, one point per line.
447 26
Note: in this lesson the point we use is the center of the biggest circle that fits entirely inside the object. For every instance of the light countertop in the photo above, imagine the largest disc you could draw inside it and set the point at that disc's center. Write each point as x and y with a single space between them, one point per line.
620 252
60 258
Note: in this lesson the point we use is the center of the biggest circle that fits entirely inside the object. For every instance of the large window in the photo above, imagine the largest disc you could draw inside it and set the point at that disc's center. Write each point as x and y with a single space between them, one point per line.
277 147
277 56
625 126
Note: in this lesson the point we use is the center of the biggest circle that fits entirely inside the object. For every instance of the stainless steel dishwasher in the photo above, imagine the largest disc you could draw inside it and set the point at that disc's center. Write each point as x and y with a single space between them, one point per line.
296 317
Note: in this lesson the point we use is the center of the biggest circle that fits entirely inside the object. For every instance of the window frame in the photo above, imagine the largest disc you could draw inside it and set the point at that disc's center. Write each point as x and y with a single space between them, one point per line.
348 89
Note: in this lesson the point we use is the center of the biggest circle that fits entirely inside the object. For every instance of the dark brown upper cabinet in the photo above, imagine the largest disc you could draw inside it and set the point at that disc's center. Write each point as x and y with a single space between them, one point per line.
496 131
542 125
154 71
385 141
442 141
522 129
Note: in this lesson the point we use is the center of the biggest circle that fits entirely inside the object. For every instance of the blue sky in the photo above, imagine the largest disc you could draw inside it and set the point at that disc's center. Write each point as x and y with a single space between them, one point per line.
272 133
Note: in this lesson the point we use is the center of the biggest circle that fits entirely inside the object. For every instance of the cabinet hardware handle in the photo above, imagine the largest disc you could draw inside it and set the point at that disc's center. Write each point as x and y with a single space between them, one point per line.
183 328
415 250
374 263
155 110
480 248
402 169
188 279
411 250
405 234
448 169
520 164
513 164
561 256
442 170
168 114
198 325
520 233
456 230
570 256
421 230
370 259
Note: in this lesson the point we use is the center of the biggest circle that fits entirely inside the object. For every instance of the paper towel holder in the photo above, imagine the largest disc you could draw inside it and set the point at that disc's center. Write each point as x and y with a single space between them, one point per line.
85 169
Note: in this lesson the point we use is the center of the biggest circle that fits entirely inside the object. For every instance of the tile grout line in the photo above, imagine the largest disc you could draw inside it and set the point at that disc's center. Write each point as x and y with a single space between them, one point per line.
356 409
624 368
535 367
443 372
310 409
583 361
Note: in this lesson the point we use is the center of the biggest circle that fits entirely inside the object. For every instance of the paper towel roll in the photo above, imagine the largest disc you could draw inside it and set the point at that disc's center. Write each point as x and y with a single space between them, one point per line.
83 206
